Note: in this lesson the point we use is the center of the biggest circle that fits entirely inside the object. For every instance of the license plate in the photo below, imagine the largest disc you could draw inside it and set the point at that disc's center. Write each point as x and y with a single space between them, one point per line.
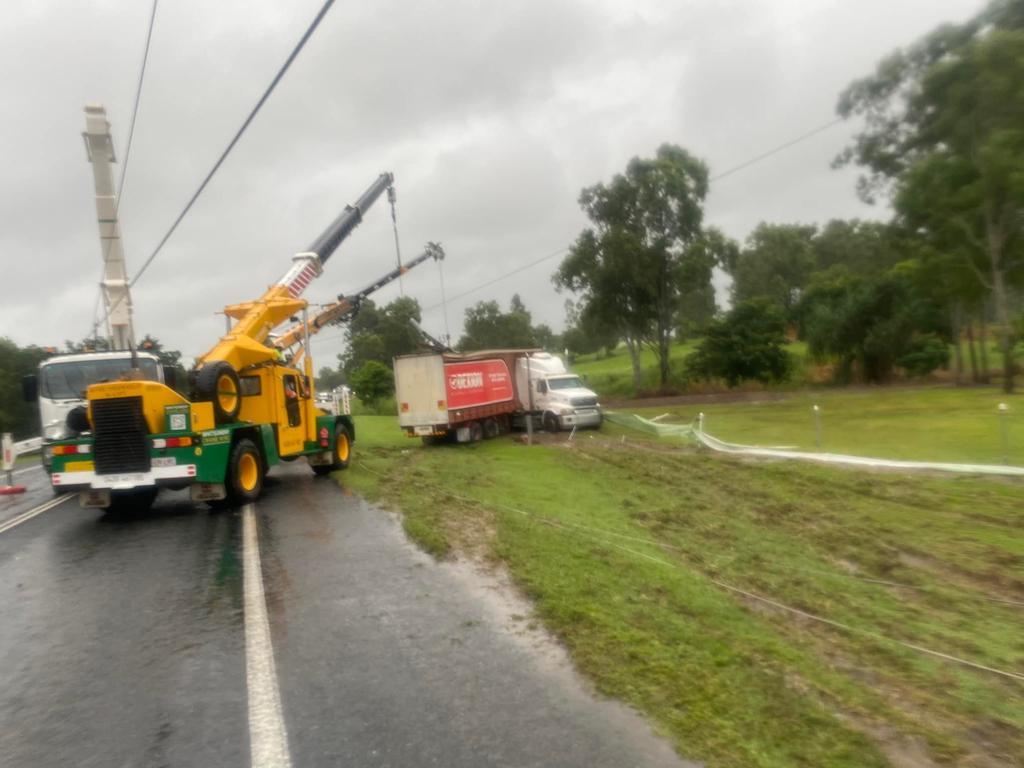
424 430
164 461
135 478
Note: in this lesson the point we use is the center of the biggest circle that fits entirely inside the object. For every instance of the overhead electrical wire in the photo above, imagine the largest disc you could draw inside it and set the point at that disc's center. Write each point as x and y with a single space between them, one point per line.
127 155
745 164
231 145
776 150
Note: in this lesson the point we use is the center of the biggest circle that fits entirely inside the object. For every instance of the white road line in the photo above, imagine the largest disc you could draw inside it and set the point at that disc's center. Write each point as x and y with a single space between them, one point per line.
268 739
24 516
27 469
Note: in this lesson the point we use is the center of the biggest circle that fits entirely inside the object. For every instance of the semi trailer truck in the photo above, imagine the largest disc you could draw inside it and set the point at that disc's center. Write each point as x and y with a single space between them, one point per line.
469 397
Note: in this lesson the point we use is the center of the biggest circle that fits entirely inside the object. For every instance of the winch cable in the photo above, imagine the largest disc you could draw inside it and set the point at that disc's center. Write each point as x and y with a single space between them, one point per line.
394 227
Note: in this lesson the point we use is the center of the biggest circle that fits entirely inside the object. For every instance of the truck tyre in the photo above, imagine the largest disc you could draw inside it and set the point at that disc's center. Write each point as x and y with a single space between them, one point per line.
218 383
550 422
77 420
245 472
491 428
341 454
476 432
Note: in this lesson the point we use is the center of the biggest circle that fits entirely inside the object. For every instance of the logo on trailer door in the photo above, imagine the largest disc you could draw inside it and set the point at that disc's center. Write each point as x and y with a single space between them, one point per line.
481 382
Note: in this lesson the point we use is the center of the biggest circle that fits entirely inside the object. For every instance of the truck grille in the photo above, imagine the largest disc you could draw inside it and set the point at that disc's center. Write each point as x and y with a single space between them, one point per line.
120 437
590 400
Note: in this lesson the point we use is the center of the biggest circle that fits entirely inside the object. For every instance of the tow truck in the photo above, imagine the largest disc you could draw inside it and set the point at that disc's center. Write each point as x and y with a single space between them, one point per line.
246 407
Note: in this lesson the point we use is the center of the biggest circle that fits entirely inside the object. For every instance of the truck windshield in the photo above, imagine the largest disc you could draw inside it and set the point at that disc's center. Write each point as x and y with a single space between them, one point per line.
66 381
569 382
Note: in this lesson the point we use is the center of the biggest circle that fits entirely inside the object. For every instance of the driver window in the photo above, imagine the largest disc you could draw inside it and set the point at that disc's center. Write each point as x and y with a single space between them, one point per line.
291 401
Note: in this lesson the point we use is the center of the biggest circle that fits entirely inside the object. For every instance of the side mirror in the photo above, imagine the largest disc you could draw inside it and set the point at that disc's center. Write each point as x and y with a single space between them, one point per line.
542 387
30 388
170 376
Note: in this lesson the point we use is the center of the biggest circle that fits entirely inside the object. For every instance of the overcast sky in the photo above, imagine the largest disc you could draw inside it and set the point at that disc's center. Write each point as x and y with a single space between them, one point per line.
492 116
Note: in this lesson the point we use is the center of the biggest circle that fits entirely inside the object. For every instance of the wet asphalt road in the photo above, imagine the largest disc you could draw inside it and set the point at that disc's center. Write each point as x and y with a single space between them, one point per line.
122 644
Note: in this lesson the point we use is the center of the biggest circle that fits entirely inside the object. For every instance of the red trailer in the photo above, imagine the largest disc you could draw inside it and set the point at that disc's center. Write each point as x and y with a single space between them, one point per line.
468 396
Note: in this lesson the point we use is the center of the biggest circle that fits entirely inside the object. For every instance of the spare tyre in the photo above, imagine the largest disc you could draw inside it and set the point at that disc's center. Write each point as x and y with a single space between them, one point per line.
218 383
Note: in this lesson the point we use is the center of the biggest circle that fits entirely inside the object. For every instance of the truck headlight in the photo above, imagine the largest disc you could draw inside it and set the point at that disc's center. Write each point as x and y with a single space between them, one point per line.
54 430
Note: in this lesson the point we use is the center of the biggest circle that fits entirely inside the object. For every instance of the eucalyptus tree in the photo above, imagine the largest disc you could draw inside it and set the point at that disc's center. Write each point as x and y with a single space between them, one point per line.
943 137
645 248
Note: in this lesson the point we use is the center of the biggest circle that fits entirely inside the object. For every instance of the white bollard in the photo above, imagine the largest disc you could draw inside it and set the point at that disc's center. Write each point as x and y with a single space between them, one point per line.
1004 431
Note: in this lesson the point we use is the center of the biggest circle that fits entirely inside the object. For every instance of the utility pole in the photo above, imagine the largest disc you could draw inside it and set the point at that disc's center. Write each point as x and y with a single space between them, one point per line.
117 301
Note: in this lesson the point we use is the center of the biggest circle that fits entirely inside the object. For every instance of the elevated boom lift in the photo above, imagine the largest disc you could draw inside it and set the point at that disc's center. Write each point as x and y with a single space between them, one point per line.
247 408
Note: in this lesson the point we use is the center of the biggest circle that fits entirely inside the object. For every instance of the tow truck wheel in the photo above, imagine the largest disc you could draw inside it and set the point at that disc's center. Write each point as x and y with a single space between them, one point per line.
245 472
550 422
218 383
341 454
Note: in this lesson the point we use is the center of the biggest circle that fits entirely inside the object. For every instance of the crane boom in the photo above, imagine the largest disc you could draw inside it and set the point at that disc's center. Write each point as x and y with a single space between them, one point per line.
117 300
346 306
243 345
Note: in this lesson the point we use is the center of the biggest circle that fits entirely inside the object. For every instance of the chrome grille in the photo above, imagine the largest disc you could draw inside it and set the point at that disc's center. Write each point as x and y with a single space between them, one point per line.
591 400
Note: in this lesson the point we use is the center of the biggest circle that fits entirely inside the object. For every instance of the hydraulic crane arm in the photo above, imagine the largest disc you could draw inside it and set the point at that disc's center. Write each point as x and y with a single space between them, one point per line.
244 344
346 306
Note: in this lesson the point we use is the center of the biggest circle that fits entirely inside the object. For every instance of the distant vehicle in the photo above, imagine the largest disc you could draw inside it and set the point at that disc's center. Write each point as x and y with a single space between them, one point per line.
483 394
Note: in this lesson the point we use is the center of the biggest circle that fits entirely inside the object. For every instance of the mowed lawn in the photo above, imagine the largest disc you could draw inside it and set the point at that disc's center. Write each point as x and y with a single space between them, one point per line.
627 549
939 423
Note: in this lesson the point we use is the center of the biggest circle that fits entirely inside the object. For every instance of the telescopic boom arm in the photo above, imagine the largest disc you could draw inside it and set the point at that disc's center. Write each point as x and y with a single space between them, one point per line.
346 306
244 343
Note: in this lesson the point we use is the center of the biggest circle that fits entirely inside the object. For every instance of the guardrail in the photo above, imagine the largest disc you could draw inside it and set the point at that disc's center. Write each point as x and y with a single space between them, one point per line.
31 445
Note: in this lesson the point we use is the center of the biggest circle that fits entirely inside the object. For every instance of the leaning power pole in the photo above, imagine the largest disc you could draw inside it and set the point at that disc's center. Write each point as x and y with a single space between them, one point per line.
117 301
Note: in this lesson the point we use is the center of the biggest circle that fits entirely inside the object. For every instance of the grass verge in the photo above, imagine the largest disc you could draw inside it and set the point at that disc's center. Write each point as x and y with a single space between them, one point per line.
616 544
929 424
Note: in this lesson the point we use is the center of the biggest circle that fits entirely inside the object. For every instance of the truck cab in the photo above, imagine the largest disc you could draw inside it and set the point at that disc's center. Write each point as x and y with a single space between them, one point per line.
558 396
61 383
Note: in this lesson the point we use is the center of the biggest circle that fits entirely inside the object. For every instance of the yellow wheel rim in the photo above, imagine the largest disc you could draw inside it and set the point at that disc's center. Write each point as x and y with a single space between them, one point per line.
342 448
227 393
248 472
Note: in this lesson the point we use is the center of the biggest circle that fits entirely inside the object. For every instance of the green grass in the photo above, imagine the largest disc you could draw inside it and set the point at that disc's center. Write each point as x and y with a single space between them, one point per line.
616 544
930 424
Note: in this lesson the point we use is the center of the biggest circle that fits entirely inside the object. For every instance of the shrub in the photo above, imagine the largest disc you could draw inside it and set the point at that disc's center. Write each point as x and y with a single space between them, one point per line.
748 343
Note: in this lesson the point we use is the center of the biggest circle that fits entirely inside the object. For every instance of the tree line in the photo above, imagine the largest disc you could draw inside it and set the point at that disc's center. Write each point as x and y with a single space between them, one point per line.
942 141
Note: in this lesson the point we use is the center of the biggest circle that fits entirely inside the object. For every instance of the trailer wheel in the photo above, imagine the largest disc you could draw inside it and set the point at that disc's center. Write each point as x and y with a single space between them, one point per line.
341 454
476 432
218 383
491 428
245 472
550 422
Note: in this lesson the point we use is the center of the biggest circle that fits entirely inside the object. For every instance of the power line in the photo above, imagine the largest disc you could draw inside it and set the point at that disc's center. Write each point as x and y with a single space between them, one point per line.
127 152
499 278
135 107
776 150
231 145
734 169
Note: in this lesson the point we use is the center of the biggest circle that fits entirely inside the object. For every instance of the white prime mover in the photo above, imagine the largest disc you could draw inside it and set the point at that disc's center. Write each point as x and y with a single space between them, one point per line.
61 382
